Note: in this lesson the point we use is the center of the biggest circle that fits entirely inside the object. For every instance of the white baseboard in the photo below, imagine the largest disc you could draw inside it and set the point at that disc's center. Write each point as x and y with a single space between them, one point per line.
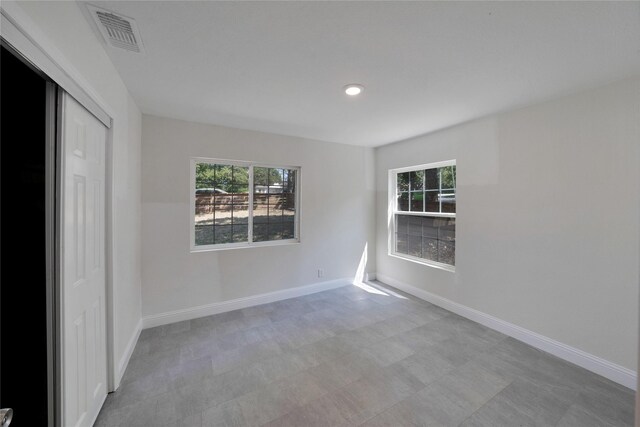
124 360
605 368
369 276
235 304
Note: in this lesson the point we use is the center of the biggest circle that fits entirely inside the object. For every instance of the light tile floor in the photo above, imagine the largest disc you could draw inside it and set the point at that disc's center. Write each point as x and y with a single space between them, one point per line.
349 357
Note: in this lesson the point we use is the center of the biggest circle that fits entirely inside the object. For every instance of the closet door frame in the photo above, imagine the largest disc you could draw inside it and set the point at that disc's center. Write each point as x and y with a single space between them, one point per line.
20 34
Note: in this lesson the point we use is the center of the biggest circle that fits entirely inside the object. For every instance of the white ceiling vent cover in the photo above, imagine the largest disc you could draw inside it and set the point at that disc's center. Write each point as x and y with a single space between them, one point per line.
118 30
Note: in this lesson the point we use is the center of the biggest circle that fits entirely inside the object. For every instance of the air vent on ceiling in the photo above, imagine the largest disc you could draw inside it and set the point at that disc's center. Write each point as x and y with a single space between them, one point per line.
118 30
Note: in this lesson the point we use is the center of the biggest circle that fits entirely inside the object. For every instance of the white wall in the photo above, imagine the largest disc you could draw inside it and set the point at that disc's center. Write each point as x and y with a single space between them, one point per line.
64 27
547 223
337 202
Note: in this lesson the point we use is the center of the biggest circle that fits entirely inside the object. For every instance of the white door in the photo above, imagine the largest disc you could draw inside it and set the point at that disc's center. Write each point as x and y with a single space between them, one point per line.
84 362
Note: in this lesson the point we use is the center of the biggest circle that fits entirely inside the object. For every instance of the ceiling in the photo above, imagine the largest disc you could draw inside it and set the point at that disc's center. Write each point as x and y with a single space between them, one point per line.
280 67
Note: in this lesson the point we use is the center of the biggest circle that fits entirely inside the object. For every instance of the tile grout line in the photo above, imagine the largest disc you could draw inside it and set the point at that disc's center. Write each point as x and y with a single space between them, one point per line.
487 402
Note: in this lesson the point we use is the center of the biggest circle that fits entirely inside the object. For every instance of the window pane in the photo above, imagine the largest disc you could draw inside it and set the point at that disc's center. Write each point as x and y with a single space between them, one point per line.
223 177
431 238
401 243
431 201
414 225
429 230
275 211
223 234
417 204
447 177
240 179
415 246
276 179
403 182
260 232
431 190
204 203
416 180
204 235
430 249
260 176
403 202
222 203
446 229
240 233
223 214
289 181
260 208
448 201
288 230
289 205
402 222
203 220
274 204
275 231
240 208
222 197
446 252
205 176
431 179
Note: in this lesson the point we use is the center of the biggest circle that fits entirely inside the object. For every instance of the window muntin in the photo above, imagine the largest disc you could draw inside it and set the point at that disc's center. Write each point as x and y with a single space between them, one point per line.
424 210
237 204
427 190
274 203
426 237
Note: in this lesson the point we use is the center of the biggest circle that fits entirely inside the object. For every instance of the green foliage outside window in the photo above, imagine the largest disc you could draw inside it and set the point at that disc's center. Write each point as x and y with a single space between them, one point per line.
231 179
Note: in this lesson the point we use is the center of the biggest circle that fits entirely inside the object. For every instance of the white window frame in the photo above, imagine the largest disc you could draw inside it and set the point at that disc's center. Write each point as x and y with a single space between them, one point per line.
249 243
393 211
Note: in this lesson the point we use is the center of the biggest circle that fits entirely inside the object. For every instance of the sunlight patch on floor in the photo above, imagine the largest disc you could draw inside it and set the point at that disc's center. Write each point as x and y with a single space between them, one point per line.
360 279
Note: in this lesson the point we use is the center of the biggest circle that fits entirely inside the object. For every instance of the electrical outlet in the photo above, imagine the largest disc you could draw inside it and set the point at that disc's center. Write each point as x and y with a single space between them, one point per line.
320 272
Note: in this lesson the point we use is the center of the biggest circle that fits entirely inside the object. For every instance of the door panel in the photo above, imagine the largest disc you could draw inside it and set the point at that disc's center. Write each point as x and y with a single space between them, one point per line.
83 272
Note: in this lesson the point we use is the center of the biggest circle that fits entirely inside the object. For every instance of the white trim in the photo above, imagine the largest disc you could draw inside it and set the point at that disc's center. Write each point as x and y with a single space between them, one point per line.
243 245
605 368
238 303
392 177
425 166
433 214
250 206
124 360
192 203
110 291
95 417
193 248
423 261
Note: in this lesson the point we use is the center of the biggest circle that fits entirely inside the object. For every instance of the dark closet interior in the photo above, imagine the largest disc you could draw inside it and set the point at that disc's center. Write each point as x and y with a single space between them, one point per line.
23 250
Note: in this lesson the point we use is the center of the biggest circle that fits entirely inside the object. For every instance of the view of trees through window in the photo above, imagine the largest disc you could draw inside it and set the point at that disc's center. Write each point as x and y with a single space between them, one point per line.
419 193
223 198
427 190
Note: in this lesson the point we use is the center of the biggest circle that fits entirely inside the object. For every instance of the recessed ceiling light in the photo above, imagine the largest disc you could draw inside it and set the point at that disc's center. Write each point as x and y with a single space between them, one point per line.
353 89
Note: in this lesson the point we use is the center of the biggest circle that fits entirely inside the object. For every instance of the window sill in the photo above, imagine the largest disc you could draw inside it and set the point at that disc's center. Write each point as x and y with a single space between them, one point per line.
427 214
422 261
229 246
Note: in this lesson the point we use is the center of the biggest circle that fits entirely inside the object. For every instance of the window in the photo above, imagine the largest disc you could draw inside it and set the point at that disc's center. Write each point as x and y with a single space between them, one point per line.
423 227
239 204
